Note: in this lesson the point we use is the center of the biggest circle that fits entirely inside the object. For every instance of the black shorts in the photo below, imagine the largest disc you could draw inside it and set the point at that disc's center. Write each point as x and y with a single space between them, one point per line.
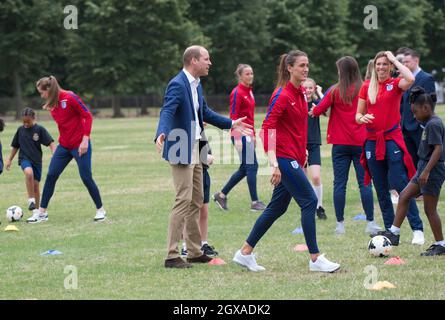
206 185
435 179
314 156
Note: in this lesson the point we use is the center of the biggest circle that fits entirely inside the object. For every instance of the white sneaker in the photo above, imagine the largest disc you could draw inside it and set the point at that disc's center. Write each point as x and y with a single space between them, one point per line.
418 237
323 265
340 229
247 261
37 217
101 215
372 227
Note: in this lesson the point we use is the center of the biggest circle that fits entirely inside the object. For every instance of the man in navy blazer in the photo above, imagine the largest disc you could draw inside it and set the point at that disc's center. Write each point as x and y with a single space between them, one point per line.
179 131
412 131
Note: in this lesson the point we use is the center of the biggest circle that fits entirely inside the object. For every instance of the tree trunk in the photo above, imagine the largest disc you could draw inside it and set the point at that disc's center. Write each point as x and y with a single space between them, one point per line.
17 95
116 107
144 110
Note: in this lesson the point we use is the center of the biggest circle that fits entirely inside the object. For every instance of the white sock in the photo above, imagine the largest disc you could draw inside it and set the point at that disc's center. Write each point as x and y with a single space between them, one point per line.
319 193
395 230
184 246
204 242
440 243
32 200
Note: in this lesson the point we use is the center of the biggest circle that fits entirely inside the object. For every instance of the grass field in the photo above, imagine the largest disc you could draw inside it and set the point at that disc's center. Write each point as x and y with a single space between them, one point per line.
123 257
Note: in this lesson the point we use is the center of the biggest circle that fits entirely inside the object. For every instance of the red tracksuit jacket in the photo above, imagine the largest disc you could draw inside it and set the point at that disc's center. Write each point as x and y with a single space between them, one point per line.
386 125
73 119
285 126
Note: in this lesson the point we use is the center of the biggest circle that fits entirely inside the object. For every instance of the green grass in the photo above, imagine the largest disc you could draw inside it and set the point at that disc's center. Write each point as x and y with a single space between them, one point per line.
123 257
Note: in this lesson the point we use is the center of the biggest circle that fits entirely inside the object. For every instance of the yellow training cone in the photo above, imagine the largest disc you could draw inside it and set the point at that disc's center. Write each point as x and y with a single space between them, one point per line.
11 228
379 285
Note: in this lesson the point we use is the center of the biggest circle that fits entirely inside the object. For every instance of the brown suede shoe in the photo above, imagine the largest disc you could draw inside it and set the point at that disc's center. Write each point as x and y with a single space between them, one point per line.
200 259
177 263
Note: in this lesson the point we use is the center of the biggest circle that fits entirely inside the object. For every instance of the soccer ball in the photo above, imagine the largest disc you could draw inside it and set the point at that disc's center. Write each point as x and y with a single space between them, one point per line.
14 213
380 246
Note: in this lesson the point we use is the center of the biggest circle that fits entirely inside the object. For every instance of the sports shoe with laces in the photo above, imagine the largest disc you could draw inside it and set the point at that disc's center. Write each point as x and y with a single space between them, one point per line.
434 250
101 215
247 261
209 250
321 214
257 206
372 227
220 201
394 238
37 217
183 252
323 265
418 237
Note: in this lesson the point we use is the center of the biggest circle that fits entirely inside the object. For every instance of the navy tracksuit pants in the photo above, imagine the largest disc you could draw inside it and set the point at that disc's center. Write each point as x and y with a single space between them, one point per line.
294 184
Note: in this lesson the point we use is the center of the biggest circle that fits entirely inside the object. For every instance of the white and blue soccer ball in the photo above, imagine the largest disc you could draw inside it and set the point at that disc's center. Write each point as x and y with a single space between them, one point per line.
14 213
380 246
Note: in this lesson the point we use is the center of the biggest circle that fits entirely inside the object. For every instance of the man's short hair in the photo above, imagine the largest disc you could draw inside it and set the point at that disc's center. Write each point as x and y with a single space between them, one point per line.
190 53
412 53
402 50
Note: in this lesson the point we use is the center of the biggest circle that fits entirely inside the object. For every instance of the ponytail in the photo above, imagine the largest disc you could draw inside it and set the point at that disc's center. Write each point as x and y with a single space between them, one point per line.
2 125
283 75
51 85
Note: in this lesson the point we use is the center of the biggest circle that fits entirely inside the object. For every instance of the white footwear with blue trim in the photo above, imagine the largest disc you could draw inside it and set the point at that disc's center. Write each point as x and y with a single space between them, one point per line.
37 217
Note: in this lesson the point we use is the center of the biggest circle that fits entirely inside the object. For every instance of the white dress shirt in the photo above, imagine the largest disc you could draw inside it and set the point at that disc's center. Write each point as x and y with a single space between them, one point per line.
194 83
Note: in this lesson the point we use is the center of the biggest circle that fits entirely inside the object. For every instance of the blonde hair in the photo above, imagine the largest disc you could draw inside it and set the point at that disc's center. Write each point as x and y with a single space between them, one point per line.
51 85
369 69
373 89
240 68
314 95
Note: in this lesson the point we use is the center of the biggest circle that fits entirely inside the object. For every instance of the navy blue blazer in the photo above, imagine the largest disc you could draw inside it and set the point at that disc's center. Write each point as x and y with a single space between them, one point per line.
177 120
424 80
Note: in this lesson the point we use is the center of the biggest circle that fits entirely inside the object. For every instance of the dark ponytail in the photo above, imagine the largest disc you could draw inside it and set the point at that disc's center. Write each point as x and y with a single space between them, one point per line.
283 75
418 96
2 125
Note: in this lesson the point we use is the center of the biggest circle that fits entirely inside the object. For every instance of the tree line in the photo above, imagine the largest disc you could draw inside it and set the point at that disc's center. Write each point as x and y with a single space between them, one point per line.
134 47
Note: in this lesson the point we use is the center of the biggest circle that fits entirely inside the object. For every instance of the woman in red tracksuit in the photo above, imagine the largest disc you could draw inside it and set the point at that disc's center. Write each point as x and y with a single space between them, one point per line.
284 134
346 137
385 154
242 104
74 122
